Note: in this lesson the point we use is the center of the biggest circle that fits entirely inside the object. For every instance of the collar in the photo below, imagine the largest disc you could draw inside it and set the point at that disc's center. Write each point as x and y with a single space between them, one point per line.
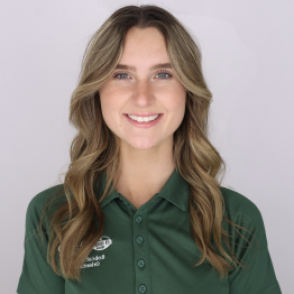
175 190
99 188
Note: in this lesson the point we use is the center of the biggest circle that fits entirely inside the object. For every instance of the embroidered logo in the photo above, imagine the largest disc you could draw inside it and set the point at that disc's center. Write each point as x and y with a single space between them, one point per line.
103 243
92 261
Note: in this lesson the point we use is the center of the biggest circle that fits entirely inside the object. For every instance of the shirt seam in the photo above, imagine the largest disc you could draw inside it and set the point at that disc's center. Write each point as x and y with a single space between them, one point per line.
270 288
25 282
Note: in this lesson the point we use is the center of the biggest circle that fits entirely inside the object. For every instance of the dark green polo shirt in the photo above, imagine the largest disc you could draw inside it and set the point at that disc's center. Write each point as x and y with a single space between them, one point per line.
151 250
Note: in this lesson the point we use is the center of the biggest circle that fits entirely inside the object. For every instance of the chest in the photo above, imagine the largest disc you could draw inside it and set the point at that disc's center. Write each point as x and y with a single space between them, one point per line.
142 252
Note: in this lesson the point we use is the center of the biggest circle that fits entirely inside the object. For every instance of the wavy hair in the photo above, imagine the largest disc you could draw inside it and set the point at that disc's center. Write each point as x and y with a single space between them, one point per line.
95 149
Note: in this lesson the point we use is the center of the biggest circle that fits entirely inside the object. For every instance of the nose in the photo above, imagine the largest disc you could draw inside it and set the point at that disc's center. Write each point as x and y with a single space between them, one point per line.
143 94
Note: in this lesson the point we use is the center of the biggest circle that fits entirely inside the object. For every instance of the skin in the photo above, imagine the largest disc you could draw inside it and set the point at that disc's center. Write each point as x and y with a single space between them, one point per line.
146 153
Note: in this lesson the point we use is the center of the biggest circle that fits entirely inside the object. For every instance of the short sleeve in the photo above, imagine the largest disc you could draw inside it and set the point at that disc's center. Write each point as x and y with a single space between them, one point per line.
37 276
259 276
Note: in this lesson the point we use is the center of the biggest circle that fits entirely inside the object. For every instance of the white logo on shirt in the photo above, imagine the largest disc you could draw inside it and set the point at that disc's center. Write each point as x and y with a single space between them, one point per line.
103 243
95 261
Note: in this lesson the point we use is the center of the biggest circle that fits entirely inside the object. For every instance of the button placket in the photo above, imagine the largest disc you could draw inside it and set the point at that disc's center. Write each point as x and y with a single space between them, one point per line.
139 240
141 263
141 250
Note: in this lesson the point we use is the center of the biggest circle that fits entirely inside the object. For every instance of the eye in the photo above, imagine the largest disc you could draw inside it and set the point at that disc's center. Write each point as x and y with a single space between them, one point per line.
121 75
164 73
116 76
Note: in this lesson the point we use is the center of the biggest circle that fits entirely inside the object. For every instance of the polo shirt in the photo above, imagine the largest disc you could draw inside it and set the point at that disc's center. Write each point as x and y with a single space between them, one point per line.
151 249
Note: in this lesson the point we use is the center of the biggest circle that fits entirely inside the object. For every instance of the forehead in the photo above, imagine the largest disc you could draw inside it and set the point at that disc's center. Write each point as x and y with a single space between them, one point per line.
146 44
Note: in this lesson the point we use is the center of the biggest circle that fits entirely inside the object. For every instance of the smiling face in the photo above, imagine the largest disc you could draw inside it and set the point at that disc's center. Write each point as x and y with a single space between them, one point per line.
143 89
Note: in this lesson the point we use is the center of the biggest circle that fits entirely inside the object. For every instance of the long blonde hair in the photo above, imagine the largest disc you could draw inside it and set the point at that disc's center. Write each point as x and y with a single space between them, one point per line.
95 149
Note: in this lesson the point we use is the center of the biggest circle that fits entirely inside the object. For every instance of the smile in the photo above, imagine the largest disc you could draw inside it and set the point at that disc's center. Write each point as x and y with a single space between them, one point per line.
144 122
143 118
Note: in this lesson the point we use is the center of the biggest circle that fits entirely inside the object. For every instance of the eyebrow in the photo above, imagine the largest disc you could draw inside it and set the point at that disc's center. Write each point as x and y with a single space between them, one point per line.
156 66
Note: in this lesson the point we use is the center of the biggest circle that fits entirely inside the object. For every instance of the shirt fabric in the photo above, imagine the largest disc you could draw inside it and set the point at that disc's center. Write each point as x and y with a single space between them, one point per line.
151 249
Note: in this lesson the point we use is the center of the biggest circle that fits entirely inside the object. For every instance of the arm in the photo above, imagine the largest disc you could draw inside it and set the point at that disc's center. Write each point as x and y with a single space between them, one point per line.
37 275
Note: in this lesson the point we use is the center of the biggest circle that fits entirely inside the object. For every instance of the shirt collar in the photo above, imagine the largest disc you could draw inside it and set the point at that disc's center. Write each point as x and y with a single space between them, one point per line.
99 188
175 190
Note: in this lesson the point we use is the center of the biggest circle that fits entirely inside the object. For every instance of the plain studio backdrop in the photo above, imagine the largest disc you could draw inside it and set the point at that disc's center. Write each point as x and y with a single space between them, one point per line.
248 63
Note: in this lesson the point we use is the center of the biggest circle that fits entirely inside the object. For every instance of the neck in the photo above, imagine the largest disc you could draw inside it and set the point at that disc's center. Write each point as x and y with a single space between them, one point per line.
144 172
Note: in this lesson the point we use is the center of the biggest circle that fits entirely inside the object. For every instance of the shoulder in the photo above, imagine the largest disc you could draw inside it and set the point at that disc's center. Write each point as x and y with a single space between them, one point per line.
237 204
243 212
52 195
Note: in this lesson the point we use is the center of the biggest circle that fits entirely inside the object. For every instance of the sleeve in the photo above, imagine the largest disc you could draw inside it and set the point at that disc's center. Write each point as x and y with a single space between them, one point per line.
259 276
37 276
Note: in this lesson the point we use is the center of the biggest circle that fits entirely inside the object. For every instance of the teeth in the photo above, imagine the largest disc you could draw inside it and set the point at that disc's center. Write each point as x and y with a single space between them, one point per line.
141 119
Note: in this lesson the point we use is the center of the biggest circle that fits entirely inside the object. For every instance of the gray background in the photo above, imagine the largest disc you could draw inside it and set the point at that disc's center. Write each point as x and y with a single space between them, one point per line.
248 63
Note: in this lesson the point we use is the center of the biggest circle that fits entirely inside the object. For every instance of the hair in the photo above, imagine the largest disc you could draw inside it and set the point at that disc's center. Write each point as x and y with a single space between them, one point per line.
95 149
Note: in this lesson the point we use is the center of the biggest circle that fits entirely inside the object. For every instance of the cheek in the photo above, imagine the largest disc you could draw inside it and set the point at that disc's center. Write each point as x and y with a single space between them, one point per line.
111 100
175 104
114 96
175 99
107 104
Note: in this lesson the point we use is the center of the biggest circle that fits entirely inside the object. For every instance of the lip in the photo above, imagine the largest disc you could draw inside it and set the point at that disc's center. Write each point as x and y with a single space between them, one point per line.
143 114
144 124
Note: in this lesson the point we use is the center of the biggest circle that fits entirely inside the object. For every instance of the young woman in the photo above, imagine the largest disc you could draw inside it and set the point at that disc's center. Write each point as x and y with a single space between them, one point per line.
142 209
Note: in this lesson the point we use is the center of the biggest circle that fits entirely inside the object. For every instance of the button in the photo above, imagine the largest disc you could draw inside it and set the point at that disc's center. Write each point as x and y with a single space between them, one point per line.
140 240
124 202
139 219
142 288
141 263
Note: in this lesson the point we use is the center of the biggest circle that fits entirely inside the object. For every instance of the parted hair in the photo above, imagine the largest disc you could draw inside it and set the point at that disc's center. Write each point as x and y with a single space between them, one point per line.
95 148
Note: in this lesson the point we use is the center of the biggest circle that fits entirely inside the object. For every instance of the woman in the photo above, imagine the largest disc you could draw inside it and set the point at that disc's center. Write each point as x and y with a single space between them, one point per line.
141 209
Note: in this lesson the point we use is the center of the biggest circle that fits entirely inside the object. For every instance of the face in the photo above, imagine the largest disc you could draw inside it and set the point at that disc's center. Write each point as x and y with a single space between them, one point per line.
142 89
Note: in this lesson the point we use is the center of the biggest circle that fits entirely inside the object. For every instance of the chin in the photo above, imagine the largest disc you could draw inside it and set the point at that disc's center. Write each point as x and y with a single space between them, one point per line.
142 144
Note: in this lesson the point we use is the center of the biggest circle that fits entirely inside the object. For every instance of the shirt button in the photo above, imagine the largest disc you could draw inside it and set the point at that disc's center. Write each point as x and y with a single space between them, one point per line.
140 240
142 288
141 263
138 219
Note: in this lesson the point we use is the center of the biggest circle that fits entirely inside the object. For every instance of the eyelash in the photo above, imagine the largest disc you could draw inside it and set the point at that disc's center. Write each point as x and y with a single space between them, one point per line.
159 72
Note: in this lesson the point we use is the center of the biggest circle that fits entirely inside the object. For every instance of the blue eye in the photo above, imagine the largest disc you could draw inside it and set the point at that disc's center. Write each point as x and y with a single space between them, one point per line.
164 73
119 75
